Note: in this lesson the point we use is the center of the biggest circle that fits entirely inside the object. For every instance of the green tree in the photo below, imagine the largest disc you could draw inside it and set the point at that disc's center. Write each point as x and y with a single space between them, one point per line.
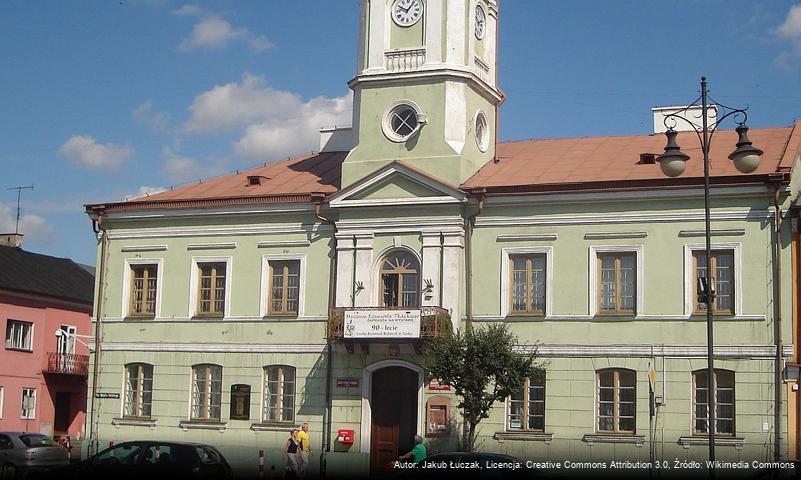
482 367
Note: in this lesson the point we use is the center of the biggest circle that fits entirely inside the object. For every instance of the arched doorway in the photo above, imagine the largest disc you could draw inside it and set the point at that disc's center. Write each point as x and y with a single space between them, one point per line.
394 411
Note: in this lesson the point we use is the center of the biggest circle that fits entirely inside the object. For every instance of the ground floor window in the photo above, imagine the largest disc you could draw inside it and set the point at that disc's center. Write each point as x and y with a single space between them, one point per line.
138 390
723 385
527 406
616 400
28 404
206 392
279 393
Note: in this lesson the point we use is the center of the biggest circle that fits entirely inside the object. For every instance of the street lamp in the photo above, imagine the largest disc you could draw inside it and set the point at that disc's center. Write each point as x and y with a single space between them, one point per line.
672 163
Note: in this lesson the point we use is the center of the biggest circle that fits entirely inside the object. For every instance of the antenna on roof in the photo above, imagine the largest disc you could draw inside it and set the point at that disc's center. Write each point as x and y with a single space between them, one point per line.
19 198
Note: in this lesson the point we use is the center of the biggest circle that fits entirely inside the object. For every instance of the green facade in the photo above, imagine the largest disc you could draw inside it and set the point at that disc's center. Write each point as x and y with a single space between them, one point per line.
414 206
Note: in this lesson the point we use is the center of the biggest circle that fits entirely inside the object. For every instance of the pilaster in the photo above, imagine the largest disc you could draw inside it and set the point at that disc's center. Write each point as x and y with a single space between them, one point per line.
364 269
345 268
452 246
432 247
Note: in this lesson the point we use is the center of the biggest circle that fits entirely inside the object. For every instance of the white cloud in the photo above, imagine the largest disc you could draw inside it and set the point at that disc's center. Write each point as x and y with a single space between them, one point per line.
158 121
213 32
180 168
34 227
143 191
279 137
84 151
277 123
791 28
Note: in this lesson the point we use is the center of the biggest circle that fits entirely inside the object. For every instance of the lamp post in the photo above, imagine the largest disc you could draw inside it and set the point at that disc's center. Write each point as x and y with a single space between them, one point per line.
672 163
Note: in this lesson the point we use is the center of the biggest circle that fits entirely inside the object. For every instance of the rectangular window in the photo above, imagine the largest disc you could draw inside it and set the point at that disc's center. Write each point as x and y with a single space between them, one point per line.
617 401
143 290
284 287
723 384
279 393
617 283
138 390
211 289
722 265
206 392
28 410
19 335
527 283
527 406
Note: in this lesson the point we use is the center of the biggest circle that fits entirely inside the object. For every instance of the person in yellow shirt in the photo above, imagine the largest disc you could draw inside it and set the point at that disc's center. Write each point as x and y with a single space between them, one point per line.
304 452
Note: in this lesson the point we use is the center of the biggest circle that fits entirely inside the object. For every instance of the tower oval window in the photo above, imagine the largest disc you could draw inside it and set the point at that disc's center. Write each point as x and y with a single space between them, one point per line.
400 280
482 131
401 121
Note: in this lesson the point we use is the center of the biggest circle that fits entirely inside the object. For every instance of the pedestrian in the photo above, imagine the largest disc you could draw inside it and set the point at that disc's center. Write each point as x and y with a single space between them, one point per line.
418 452
291 454
304 450
68 447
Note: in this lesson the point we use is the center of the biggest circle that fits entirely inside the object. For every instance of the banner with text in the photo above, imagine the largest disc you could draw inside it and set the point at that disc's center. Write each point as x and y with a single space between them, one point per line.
382 323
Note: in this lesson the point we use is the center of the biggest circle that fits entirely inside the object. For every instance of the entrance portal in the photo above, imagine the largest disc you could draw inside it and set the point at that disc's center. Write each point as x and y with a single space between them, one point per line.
394 415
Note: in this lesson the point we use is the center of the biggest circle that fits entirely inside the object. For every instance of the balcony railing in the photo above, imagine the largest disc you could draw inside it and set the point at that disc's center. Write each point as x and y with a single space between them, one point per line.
67 363
435 322
405 60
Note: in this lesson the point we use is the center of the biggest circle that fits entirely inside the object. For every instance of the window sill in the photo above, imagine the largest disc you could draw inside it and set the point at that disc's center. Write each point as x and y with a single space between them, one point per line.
203 425
723 441
139 317
273 427
637 440
26 350
525 436
134 422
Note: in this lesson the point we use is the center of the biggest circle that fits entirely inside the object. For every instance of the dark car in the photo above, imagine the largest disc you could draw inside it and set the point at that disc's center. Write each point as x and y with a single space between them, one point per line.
25 454
151 459
469 465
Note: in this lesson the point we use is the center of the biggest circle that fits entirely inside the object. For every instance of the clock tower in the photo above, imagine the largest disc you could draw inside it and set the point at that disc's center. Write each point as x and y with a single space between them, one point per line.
425 92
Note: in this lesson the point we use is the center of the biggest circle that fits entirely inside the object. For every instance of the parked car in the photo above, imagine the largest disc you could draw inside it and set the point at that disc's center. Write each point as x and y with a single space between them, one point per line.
151 459
23 454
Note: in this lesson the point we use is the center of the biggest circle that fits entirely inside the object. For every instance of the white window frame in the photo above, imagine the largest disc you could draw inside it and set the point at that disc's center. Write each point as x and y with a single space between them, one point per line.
264 295
262 415
124 389
506 253
125 308
638 251
507 409
689 274
30 342
194 283
191 393
31 415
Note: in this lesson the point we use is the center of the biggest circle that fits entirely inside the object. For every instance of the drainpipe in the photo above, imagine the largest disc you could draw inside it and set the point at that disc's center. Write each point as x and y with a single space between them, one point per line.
777 331
329 354
469 222
97 226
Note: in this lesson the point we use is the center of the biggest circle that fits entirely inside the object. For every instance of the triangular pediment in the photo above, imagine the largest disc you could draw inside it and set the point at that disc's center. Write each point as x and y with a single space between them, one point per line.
397 184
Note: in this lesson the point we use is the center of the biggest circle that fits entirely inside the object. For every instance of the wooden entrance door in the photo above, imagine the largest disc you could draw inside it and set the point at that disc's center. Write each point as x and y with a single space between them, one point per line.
394 415
61 420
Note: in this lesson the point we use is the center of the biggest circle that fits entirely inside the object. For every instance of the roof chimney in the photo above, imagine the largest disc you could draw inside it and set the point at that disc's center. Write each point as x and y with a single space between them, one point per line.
13 240
693 112
336 139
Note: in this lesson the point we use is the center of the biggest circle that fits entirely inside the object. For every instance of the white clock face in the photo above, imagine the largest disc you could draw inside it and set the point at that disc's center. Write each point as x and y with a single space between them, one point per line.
407 12
481 22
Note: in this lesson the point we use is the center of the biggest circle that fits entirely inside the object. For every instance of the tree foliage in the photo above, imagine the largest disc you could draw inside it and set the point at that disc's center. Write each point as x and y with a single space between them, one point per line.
482 368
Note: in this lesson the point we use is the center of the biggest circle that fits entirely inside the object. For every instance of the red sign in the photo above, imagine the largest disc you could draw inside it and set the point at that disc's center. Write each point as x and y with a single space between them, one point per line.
347 382
435 385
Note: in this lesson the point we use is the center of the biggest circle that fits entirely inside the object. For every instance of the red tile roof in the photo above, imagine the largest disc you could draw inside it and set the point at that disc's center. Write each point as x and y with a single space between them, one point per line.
616 159
530 165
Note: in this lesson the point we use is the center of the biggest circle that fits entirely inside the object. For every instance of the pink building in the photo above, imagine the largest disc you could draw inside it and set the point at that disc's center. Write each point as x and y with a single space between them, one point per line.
45 309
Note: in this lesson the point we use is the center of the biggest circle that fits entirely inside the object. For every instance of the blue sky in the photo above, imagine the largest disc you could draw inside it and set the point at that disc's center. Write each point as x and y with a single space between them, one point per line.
106 99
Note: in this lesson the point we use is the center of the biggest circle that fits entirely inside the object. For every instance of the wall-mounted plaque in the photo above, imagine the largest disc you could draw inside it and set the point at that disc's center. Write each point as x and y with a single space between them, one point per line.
240 402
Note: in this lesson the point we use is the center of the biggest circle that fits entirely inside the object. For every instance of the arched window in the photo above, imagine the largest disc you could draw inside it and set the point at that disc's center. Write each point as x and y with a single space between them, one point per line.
279 393
616 399
138 390
400 280
206 392
723 385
